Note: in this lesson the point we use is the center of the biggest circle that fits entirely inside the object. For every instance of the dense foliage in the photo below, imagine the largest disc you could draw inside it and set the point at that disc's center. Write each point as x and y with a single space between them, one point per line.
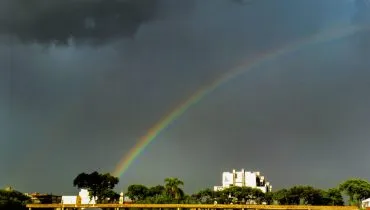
100 186
171 192
14 200
297 195
356 189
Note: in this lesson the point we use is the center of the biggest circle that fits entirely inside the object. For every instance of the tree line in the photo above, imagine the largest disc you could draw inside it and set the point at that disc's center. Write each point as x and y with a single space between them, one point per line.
101 186
172 192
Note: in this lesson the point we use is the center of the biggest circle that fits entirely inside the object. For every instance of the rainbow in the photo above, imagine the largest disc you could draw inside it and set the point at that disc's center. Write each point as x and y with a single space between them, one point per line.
245 66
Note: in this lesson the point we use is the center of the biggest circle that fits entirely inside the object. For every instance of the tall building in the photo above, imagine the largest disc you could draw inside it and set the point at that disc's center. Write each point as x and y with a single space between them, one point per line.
244 179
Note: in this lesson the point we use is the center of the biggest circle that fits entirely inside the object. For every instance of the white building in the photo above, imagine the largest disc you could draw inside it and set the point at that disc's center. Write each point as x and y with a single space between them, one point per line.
244 179
83 198
365 203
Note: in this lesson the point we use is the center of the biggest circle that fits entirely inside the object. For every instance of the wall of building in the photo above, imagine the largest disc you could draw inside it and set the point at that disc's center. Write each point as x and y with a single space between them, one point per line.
366 203
227 179
243 179
67 199
250 179
83 198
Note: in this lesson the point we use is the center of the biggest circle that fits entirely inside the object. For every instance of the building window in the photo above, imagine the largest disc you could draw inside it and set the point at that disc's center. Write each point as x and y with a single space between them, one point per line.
258 182
236 176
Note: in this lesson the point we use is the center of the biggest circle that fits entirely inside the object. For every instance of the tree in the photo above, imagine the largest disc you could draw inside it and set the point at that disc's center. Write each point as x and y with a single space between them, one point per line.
356 189
112 196
205 196
281 196
333 197
257 195
99 185
221 197
295 195
269 198
159 199
312 196
156 190
137 192
12 199
306 195
237 194
188 200
172 187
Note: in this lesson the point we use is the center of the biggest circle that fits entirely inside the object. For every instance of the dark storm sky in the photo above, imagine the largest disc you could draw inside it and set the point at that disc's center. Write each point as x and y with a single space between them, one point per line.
82 80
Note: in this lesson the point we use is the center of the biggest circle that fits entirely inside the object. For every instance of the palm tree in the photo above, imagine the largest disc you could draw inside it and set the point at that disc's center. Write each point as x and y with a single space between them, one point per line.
173 187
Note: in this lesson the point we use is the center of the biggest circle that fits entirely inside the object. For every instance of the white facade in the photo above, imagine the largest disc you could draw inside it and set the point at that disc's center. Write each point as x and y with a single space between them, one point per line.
83 195
69 199
365 203
244 179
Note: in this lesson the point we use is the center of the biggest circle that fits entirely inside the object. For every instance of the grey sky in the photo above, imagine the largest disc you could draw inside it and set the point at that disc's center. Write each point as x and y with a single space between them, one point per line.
81 105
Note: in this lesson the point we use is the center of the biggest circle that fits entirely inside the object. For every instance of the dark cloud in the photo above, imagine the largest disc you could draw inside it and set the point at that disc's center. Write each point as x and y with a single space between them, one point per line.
99 21
243 2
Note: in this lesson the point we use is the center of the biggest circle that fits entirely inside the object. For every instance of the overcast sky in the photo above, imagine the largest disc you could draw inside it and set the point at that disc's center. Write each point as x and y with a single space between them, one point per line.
82 81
